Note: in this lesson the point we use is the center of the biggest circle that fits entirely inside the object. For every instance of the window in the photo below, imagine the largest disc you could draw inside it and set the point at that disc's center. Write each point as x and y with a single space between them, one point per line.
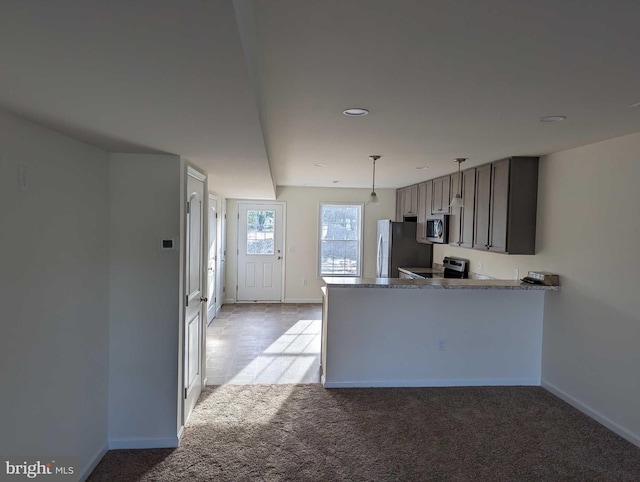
340 239
260 231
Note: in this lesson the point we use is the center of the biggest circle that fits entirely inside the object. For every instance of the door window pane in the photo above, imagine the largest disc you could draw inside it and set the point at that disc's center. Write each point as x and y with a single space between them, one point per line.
260 231
340 239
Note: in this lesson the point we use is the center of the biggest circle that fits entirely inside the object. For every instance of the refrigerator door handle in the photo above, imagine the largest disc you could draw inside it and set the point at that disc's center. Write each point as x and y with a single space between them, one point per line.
379 266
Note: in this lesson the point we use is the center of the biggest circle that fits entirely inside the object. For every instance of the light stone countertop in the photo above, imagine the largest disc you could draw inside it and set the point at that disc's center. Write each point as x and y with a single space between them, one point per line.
447 284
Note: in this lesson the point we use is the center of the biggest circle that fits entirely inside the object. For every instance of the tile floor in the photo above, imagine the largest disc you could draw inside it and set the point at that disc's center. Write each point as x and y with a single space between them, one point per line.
264 343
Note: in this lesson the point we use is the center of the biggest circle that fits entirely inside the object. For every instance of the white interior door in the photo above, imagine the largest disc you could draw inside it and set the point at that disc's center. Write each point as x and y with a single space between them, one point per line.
260 251
211 265
222 255
194 289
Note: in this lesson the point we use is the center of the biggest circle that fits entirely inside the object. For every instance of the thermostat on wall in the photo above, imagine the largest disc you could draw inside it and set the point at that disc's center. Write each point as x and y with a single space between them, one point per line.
169 243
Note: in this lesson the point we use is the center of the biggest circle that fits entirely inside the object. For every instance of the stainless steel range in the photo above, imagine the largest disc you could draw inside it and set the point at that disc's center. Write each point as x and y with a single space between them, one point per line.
455 267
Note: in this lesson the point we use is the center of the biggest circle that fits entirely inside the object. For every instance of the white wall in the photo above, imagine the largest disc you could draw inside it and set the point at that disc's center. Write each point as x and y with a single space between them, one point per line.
302 236
144 300
54 256
379 337
588 231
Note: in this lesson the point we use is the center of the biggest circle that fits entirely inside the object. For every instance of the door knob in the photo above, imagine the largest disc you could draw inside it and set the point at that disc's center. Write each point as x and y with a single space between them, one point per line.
204 299
279 257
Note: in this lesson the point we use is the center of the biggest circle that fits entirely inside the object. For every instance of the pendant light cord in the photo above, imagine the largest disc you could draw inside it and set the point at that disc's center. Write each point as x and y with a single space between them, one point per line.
373 185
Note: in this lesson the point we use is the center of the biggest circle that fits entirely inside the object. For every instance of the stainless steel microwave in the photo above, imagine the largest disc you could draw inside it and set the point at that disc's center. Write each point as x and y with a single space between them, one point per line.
438 228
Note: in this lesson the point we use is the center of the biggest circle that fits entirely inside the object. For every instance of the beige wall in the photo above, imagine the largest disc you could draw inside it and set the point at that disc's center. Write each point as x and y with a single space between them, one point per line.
588 233
144 299
301 235
54 294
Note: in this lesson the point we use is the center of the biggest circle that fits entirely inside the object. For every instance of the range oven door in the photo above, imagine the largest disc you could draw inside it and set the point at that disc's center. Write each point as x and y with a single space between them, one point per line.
437 228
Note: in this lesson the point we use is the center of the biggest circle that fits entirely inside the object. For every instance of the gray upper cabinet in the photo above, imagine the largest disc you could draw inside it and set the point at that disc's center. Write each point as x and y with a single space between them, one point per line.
411 200
505 206
456 213
441 191
406 202
425 194
462 219
499 206
482 204
500 201
399 204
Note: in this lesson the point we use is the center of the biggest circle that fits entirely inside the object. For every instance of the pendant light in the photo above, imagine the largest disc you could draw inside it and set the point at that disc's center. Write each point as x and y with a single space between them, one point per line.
373 197
456 202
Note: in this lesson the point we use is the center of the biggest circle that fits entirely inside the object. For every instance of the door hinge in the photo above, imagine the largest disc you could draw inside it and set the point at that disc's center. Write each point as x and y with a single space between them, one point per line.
216 215
185 392
188 207
224 289
186 300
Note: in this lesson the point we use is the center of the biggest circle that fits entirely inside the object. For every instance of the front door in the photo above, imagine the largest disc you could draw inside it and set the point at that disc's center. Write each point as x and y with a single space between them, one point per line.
260 251
194 289
211 267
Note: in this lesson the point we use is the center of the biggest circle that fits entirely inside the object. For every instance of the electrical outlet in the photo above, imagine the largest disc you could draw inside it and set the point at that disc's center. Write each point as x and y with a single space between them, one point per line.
442 344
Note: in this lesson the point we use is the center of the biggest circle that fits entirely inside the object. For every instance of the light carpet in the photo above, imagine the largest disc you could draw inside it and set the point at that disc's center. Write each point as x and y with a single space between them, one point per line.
307 433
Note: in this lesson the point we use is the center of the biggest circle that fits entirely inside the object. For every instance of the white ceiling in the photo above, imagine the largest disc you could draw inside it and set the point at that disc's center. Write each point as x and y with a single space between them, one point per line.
261 89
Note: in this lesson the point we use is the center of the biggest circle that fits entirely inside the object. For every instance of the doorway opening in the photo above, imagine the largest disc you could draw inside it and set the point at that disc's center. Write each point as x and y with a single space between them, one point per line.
270 343
259 339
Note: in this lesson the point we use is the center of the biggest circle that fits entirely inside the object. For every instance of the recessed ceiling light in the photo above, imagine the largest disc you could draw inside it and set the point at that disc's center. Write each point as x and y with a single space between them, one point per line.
355 111
637 104
422 167
553 118
320 164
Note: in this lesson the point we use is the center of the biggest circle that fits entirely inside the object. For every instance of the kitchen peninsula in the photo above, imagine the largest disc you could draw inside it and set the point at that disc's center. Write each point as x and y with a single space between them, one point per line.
391 332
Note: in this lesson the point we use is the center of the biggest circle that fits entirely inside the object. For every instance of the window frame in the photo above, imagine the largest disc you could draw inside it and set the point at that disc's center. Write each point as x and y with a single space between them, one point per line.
360 244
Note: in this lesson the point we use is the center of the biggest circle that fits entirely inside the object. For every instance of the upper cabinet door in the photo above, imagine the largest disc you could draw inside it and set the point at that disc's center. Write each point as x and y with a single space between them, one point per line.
410 204
413 196
399 204
441 195
482 207
425 194
499 206
455 219
468 199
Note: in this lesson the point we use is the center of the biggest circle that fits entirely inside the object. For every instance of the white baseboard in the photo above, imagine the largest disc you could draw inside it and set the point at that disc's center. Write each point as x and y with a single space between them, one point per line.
303 300
144 443
229 301
93 462
435 383
180 433
594 414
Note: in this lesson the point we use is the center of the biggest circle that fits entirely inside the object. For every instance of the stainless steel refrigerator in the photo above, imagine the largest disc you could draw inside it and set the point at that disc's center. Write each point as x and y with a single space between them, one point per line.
398 248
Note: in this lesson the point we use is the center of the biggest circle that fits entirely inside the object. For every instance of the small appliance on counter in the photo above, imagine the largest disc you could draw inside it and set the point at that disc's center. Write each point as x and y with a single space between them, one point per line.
438 228
542 278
